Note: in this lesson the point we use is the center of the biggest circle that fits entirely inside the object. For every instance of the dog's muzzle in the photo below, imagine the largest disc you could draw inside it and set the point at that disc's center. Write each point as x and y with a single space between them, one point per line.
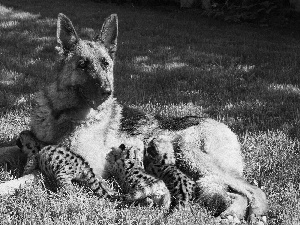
93 96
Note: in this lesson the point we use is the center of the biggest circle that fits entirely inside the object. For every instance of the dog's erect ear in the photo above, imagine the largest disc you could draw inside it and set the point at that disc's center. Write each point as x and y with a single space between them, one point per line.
151 149
66 34
19 143
109 34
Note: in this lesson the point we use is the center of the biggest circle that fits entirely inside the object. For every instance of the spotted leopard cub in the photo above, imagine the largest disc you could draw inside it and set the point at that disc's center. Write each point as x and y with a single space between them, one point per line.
136 184
60 164
159 161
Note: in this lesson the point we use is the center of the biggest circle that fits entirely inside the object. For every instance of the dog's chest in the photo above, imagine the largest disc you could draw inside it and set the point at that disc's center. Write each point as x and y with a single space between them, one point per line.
93 140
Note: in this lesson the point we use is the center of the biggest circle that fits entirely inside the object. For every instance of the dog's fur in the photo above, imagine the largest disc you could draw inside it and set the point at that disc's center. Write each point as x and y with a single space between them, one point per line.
79 110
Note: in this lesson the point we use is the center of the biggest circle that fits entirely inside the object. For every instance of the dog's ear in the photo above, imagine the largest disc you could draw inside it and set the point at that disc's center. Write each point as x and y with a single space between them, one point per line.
19 143
66 34
151 149
109 34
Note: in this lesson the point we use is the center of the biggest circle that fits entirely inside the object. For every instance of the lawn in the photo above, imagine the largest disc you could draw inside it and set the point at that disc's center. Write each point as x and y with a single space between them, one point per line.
174 63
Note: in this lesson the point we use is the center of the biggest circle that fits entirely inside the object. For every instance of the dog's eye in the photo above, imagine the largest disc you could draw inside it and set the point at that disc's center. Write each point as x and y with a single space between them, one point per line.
83 63
104 62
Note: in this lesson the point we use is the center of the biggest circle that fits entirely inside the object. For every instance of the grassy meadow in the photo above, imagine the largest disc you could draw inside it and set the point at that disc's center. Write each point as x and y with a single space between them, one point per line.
174 63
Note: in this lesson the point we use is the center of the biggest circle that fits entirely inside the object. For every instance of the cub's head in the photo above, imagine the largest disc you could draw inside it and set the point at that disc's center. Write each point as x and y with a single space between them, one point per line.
28 143
128 154
131 153
127 151
87 65
159 152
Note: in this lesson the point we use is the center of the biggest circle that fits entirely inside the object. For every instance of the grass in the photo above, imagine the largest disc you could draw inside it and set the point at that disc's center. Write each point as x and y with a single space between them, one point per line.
171 63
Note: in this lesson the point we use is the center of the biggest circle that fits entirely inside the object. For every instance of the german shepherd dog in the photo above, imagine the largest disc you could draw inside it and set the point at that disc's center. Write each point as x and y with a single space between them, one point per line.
79 111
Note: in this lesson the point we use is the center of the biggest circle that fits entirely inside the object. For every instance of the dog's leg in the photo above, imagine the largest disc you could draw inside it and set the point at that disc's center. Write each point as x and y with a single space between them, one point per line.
237 210
234 198
10 187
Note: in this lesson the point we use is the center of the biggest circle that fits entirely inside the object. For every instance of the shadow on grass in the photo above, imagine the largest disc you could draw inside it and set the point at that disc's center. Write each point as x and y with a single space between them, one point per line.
246 77
246 96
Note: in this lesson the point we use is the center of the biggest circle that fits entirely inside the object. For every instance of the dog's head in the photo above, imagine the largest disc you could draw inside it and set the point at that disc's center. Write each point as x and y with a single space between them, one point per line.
87 65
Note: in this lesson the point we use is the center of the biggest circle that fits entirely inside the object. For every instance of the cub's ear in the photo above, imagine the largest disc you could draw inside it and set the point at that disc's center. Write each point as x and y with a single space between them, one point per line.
109 34
66 34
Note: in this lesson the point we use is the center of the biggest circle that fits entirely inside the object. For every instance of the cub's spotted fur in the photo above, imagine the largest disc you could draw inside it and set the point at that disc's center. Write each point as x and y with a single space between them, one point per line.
60 164
182 188
137 185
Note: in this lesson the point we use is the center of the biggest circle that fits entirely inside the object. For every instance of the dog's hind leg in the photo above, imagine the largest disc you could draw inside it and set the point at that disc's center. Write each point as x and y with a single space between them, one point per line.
233 199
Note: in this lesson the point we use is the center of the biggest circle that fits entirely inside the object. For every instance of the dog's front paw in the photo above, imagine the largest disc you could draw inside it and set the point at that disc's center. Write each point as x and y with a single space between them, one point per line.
229 220
261 220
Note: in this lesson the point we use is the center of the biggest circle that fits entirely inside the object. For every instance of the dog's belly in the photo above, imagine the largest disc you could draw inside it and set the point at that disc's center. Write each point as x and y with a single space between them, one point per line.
93 144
